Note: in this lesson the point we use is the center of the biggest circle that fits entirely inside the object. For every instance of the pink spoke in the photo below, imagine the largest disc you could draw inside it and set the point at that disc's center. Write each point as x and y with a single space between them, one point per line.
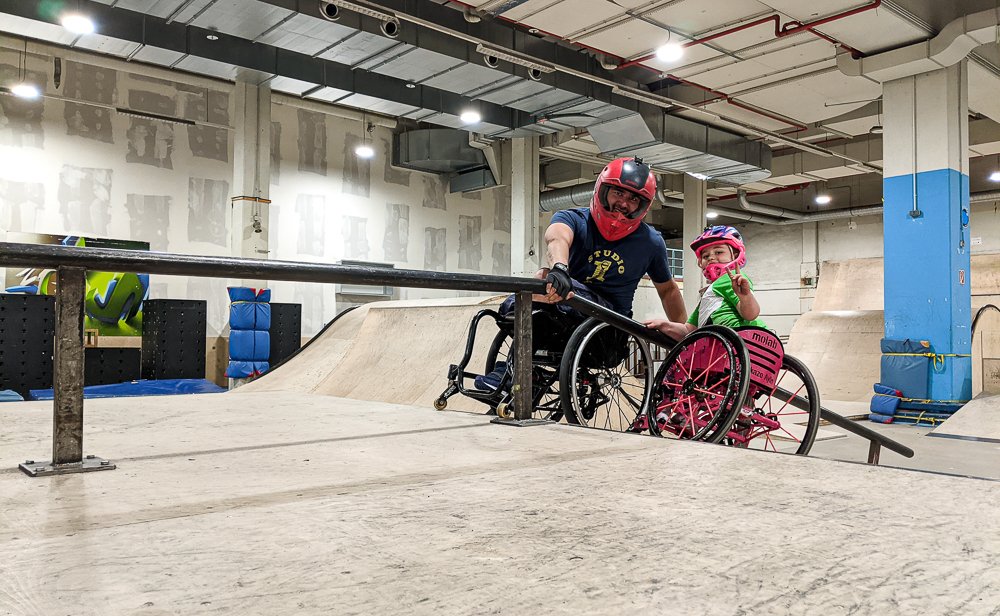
787 402
710 366
791 435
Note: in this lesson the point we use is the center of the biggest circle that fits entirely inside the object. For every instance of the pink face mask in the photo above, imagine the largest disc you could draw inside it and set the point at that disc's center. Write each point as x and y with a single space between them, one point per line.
713 271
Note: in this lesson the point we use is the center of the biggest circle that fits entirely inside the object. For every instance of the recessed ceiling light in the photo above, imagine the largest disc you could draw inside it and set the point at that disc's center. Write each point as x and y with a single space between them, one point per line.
25 91
78 24
411 85
212 37
712 215
823 199
364 151
995 176
671 52
470 117
532 30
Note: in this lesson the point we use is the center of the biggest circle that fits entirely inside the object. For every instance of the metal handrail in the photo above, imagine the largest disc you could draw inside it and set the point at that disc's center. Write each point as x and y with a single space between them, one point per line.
72 262
144 262
876 439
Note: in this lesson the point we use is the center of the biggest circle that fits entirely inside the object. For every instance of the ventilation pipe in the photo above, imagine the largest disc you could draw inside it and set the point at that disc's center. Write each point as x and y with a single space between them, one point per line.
580 195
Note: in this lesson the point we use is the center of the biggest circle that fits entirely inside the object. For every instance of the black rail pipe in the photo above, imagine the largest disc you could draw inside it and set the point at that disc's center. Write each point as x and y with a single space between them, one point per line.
842 422
654 337
144 262
975 321
623 323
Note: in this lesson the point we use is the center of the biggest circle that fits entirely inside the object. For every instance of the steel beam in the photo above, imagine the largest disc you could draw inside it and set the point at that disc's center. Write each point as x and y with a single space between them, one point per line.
136 27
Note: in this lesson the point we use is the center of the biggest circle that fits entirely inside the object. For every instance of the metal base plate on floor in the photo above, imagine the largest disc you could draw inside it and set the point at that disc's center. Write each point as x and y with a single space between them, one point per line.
521 423
88 465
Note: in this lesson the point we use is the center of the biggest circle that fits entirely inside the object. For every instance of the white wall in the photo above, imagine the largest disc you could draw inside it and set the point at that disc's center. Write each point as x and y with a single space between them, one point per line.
77 169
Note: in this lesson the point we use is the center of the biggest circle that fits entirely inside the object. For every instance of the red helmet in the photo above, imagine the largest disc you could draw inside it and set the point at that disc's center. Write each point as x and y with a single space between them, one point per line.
720 234
633 176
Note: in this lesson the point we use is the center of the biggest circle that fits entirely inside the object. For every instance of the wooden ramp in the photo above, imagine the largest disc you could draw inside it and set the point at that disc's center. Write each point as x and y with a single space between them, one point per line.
292 503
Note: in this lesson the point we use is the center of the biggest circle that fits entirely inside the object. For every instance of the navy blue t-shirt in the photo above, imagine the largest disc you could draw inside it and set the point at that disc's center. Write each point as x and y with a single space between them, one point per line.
613 269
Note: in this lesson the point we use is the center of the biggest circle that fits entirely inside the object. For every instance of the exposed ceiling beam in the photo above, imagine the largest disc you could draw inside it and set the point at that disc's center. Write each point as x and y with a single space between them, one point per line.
132 26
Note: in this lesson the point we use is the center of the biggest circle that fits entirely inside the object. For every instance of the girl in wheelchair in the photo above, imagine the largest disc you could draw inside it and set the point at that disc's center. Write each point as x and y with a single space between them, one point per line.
729 299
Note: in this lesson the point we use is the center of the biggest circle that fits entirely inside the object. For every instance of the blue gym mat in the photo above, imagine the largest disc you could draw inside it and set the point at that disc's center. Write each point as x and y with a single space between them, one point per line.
166 387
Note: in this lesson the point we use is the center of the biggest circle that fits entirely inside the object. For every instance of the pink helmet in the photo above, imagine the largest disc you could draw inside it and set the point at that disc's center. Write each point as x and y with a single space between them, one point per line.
720 234
632 175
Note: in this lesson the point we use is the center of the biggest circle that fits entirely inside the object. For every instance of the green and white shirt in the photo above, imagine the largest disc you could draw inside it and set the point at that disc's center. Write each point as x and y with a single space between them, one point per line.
718 306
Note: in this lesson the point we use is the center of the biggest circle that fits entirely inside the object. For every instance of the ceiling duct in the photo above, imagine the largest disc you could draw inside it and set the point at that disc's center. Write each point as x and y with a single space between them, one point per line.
674 143
444 151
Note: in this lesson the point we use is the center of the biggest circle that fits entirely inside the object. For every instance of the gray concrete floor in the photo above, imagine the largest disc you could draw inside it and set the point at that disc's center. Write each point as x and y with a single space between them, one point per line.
281 503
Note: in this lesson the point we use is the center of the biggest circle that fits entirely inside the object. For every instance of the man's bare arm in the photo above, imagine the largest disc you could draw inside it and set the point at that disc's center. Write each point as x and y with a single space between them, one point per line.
558 239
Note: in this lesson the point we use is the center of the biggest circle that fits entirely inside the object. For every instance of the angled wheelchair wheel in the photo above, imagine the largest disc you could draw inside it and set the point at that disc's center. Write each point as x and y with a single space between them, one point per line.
786 418
544 378
606 378
700 386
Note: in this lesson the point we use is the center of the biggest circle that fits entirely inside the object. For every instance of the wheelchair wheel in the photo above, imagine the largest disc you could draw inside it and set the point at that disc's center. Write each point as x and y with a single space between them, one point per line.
543 378
700 386
605 378
768 420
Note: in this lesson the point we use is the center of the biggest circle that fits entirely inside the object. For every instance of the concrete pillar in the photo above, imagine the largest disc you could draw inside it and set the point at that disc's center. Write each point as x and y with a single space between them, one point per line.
926 192
249 224
525 253
695 208
809 270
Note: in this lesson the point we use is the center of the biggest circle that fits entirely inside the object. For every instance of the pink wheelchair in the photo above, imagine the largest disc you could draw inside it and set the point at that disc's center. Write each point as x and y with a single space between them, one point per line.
736 387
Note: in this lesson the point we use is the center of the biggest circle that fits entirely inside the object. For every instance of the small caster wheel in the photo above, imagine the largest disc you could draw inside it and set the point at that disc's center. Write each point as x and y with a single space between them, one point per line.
440 403
503 411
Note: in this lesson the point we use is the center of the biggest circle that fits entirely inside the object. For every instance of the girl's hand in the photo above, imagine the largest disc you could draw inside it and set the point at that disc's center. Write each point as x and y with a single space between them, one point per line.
741 286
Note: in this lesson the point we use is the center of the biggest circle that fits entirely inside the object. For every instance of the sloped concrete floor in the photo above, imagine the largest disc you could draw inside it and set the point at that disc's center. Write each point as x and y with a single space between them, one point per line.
278 503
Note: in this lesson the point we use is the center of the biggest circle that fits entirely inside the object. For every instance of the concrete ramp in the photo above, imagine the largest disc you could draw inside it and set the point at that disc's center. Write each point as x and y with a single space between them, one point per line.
979 420
841 349
396 352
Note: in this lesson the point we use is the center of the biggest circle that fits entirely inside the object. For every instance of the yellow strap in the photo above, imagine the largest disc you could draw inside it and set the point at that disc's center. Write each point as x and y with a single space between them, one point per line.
925 401
934 357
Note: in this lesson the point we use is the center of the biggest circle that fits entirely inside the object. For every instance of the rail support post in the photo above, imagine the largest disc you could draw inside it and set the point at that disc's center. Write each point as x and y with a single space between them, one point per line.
873 451
67 416
521 349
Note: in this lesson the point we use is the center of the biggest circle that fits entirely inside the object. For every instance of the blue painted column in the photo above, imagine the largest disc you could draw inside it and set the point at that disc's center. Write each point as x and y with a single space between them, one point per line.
926 194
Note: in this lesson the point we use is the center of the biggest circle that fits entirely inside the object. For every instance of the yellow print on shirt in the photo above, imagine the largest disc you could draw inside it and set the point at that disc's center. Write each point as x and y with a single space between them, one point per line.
603 261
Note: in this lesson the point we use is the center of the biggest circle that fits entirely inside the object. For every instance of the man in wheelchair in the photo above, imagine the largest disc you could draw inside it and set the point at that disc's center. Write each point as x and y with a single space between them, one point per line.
600 253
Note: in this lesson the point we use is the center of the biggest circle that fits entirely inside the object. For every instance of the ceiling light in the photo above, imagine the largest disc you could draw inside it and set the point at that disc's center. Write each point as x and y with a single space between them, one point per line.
411 85
670 52
24 91
712 215
995 176
78 24
212 37
364 151
823 199
876 130
470 117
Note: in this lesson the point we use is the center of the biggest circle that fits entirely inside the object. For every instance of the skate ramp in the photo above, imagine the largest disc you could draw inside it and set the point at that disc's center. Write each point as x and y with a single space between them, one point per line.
979 420
396 352
841 349
852 284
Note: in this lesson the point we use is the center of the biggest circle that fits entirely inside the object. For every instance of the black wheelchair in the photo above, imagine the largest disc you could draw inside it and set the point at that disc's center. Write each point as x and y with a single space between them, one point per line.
583 370
719 385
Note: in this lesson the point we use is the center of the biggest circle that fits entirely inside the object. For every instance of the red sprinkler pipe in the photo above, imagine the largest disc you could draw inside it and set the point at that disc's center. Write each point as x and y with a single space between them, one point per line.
792 27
